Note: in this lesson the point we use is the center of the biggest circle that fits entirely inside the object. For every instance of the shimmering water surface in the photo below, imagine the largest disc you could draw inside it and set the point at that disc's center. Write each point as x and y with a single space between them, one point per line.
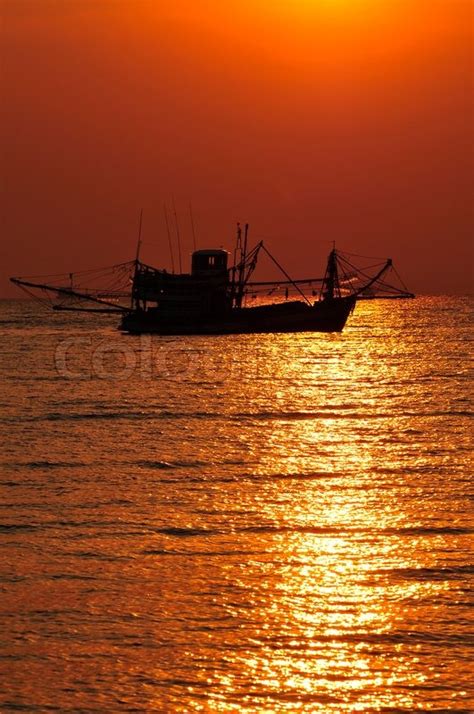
260 523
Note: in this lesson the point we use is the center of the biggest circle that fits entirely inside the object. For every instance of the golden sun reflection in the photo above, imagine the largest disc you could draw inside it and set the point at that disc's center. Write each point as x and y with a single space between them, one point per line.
334 609
342 549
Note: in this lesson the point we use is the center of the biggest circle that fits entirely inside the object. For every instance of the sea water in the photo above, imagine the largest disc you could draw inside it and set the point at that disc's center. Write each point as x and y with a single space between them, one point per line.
256 523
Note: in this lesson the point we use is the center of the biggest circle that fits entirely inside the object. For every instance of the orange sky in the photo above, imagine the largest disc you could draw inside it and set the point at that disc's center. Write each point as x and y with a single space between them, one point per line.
314 120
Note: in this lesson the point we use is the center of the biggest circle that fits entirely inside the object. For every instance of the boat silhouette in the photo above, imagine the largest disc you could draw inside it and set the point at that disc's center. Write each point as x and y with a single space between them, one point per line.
218 298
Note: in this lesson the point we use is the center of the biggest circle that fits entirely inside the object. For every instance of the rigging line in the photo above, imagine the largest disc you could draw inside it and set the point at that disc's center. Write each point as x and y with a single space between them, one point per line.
97 279
63 291
170 243
192 224
110 287
139 242
356 255
285 274
110 311
383 284
380 285
344 261
103 267
401 281
78 273
115 266
250 256
355 269
389 290
368 277
300 281
178 236
374 279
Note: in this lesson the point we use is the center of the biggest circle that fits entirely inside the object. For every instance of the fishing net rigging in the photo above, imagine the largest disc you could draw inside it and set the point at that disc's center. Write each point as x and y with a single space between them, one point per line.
109 289
105 289
372 280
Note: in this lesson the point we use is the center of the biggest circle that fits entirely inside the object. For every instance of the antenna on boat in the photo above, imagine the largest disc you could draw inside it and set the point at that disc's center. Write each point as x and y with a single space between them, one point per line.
139 242
177 235
170 244
246 234
137 260
192 225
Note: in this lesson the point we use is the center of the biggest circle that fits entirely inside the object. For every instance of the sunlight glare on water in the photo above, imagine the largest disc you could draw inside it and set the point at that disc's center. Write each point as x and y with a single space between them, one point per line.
251 523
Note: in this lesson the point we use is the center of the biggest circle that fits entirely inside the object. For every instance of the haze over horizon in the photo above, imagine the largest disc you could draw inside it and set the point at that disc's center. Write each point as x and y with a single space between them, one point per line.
315 121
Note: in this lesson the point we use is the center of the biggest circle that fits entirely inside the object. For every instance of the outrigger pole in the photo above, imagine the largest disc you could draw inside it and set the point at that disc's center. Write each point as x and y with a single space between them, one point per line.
387 265
66 291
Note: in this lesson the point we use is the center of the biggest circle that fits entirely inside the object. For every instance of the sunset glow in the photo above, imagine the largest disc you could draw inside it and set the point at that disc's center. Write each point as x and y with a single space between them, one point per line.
236 339
317 120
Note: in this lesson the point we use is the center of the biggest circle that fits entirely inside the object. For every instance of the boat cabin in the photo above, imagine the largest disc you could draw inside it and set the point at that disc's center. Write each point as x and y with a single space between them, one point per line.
203 292
207 263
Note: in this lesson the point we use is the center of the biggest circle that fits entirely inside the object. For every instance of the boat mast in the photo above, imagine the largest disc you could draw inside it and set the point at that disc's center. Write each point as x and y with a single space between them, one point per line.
240 277
234 271
244 260
331 288
242 264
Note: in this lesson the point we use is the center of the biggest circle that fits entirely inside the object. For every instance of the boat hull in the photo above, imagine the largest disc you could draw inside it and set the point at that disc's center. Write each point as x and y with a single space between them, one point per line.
295 316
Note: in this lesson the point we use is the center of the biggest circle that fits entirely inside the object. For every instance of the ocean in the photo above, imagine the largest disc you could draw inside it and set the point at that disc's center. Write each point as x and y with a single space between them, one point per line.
256 523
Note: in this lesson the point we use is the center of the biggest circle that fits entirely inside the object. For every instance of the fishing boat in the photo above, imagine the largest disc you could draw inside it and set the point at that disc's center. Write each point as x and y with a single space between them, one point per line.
218 298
